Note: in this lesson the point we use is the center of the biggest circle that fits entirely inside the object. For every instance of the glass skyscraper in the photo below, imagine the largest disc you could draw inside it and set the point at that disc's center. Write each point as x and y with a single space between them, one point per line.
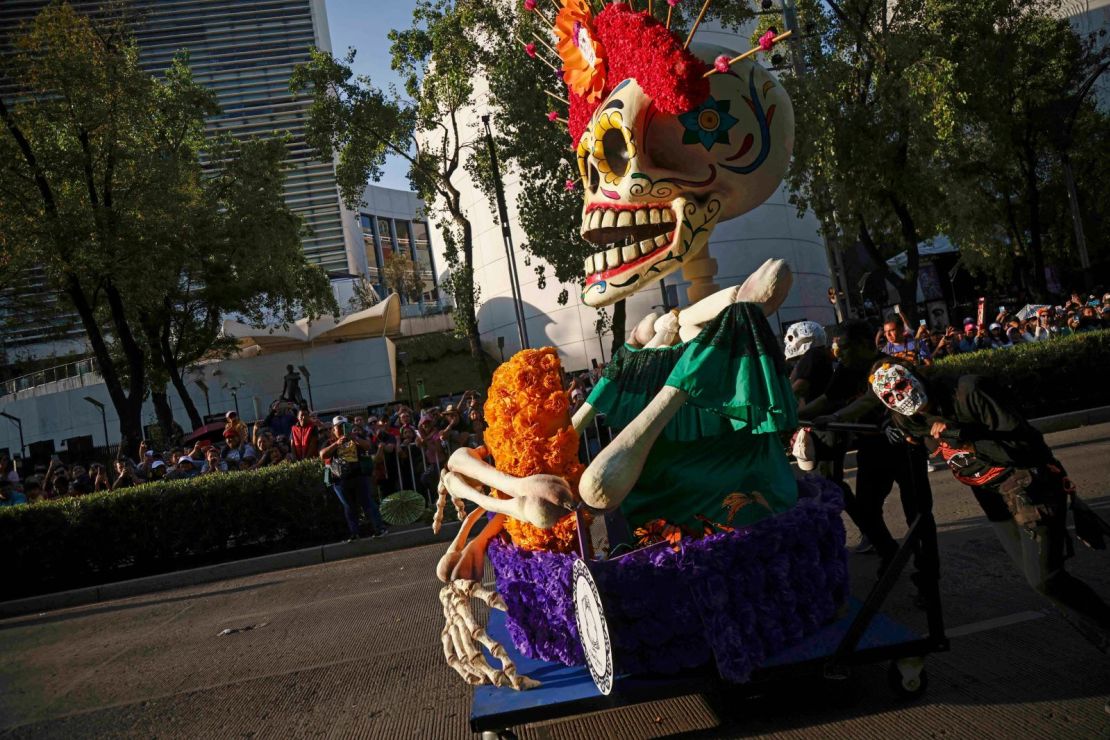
245 51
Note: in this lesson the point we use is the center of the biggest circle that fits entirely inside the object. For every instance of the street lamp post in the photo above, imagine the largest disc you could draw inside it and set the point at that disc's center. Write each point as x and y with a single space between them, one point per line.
103 417
404 358
19 423
501 348
308 384
507 237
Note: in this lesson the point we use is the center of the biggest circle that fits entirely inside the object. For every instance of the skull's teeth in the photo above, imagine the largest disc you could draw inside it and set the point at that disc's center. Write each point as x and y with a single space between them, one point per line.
618 254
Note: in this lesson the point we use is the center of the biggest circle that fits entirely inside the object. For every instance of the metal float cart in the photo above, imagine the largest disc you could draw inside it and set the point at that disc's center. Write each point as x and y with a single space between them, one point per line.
862 635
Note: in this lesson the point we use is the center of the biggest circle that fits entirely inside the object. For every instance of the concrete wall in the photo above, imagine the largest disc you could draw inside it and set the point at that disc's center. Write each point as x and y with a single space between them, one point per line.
344 374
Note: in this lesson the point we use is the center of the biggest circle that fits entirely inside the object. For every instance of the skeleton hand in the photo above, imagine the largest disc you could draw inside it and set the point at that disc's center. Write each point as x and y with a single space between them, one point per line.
461 569
462 636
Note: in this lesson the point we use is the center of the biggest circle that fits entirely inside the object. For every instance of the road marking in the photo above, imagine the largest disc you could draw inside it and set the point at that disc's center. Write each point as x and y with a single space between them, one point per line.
995 623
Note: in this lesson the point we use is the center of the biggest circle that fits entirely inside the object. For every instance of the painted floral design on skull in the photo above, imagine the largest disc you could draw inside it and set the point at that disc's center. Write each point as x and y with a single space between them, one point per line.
898 388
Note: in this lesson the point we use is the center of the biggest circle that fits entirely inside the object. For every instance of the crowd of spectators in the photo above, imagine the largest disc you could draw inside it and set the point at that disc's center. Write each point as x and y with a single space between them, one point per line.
409 446
1074 316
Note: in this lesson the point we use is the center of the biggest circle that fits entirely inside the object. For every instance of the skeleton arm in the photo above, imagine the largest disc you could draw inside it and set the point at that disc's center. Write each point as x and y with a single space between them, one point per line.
768 285
611 475
537 499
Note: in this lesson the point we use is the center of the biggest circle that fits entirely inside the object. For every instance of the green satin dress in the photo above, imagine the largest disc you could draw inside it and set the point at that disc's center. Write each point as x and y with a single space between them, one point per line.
725 439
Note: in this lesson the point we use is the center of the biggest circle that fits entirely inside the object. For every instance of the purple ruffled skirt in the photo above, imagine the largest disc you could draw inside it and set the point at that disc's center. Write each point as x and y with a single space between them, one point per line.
734 598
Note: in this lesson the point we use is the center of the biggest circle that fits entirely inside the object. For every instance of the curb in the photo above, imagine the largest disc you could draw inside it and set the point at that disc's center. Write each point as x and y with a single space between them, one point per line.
234 569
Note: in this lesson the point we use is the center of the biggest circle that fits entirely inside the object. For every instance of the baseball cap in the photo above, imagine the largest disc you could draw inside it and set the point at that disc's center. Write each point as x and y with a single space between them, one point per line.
158 464
339 420
230 414
995 326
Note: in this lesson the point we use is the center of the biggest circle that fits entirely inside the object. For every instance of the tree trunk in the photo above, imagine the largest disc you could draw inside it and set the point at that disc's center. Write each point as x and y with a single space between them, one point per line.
131 425
127 408
169 361
1033 205
164 413
617 327
470 317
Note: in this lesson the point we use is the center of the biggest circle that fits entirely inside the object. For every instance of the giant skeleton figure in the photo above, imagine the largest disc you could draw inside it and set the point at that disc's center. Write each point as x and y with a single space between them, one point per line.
656 184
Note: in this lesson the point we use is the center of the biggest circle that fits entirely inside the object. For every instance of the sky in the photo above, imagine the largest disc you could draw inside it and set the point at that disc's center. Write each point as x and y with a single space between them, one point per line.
364 26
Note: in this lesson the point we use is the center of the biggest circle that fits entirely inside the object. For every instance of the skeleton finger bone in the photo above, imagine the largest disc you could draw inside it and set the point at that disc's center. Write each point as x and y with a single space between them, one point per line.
474 590
441 504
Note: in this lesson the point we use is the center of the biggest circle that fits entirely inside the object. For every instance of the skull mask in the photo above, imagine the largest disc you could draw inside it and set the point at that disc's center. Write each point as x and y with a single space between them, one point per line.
803 336
657 184
899 389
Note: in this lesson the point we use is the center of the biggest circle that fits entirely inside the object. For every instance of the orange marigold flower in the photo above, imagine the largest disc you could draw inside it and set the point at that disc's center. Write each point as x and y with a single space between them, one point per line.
529 432
583 57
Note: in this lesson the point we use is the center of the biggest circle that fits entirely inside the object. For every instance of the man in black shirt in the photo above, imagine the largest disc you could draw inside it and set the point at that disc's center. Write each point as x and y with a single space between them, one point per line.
989 445
881 459
811 360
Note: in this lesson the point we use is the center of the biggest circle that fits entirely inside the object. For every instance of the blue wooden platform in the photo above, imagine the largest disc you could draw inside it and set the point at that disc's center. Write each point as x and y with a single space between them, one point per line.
567 691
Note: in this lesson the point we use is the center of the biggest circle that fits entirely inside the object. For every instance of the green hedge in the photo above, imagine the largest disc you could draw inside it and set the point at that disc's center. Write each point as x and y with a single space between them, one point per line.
164 526
1050 377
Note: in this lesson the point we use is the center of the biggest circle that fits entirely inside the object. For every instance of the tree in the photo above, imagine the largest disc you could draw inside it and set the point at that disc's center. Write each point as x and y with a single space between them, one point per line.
402 276
1017 110
236 251
94 150
359 124
873 120
364 297
103 190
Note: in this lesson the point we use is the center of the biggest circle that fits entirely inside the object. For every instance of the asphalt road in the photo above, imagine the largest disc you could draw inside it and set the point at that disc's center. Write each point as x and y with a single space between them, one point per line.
352 648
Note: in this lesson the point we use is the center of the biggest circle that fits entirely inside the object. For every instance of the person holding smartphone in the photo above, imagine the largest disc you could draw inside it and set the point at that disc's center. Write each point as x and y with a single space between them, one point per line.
346 477
899 344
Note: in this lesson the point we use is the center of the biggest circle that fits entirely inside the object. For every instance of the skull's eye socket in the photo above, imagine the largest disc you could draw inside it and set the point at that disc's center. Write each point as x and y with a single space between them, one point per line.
902 385
616 151
887 398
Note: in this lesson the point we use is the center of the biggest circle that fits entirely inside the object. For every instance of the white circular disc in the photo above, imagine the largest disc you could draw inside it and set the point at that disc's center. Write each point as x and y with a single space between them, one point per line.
593 630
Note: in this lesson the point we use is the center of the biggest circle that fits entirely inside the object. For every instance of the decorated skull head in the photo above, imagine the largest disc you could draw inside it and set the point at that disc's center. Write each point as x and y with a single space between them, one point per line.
898 388
803 336
664 152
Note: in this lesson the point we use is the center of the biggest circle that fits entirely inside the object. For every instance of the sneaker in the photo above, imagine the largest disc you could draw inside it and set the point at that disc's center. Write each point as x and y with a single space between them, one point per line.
934 467
863 547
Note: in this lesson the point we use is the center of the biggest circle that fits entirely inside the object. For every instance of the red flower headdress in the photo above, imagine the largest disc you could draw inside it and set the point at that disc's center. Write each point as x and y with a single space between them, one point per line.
626 44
